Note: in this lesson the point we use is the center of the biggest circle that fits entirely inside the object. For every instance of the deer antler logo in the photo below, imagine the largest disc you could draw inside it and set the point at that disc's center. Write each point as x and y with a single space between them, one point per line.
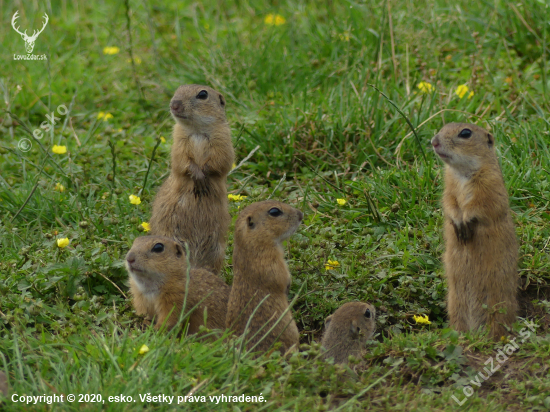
29 40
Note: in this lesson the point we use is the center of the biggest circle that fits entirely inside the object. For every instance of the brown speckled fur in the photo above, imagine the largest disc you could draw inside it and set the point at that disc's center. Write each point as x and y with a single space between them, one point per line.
191 206
347 331
163 279
260 269
481 249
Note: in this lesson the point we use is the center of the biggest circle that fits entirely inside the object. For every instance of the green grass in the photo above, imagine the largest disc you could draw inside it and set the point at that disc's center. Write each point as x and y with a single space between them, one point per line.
309 93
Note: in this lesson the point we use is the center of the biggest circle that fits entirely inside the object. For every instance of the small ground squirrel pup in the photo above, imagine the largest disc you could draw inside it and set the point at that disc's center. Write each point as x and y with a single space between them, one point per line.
481 249
260 270
191 205
158 278
347 330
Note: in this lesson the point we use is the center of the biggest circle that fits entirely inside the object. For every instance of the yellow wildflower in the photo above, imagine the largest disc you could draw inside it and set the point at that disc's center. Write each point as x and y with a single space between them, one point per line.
62 243
143 350
146 227
236 198
425 87
274 19
344 36
162 139
137 60
104 116
135 200
462 90
508 80
59 149
332 264
59 187
422 320
341 202
110 50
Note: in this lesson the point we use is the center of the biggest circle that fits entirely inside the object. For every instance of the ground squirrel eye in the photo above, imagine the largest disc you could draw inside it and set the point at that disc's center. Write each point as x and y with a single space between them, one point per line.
203 95
465 133
158 248
274 211
367 313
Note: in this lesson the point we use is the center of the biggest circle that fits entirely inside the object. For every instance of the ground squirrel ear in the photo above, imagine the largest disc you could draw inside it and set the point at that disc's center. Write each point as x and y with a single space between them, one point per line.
327 321
179 250
490 139
250 222
222 101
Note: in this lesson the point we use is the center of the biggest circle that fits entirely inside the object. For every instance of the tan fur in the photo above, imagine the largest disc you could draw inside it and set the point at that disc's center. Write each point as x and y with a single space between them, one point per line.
347 331
191 205
481 249
4 388
158 283
260 270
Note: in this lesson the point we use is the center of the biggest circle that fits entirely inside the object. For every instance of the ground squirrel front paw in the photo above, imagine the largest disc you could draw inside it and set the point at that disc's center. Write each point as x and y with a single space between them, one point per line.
465 230
196 173
200 187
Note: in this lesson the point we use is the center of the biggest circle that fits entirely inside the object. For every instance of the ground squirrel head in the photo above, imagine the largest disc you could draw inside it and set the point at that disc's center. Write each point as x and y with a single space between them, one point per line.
196 106
464 147
353 320
152 260
267 221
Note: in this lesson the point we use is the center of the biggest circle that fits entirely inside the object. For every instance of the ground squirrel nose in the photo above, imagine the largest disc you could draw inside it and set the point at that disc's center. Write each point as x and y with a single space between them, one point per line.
435 141
300 215
131 257
175 104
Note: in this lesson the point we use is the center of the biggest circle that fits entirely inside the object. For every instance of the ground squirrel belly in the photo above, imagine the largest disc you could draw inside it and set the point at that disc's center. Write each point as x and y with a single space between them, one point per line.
260 272
347 330
158 281
191 206
481 249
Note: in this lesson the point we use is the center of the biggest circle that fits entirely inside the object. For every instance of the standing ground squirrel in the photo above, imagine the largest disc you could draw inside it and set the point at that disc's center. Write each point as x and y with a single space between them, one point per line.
260 270
191 206
481 249
347 330
158 279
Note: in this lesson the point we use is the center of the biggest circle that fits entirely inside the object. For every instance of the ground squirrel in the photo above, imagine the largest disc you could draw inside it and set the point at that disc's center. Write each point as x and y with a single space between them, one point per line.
481 249
347 330
191 206
260 270
158 279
